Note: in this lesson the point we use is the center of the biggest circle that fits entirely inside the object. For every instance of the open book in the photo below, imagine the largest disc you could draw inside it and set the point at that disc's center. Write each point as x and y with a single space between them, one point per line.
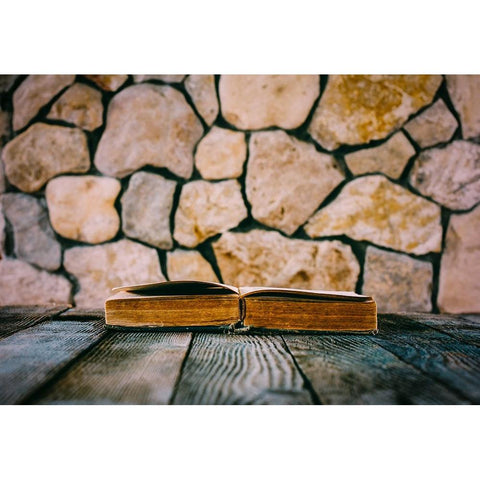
187 304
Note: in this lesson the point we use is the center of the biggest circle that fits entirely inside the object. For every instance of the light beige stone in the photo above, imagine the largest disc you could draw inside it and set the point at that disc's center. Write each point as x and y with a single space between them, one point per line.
163 78
287 179
374 209
464 91
390 157
221 154
146 208
206 209
260 101
42 152
202 90
148 125
189 265
397 282
434 125
450 175
35 92
100 268
356 109
33 236
266 258
110 83
459 286
80 105
22 284
82 207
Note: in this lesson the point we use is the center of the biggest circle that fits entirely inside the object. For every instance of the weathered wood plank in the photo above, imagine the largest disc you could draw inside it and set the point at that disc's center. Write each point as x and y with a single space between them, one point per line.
125 368
33 356
439 355
16 318
348 370
463 329
83 314
240 369
474 317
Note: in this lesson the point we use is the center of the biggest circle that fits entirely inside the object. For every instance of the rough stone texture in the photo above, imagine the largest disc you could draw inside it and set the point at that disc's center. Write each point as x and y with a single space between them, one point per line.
35 92
397 282
356 109
33 237
6 82
102 267
4 126
22 284
464 91
434 125
2 233
390 157
450 175
189 265
43 151
80 105
2 176
206 209
260 101
287 179
221 154
82 208
459 288
163 78
267 258
110 83
202 90
374 209
146 207
148 125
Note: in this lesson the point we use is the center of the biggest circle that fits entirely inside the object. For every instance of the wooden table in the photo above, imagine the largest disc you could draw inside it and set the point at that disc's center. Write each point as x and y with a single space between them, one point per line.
53 355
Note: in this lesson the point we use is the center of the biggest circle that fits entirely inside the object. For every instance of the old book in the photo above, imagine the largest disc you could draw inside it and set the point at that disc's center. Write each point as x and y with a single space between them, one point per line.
189 304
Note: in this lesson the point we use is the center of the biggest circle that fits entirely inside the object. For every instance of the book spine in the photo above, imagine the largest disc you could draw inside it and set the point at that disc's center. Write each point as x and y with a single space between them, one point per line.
242 309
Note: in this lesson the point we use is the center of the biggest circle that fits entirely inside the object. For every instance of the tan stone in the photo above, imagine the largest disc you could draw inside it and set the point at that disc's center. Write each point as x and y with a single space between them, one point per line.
163 78
22 284
434 125
260 101
82 208
390 157
110 83
42 152
206 209
80 105
102 267
2 176
464 91
148 125
287 179
189 265
35 92
146 208
202 90
221 154
459 286
356 109
450 175
374 209
397 282
266 258
33 236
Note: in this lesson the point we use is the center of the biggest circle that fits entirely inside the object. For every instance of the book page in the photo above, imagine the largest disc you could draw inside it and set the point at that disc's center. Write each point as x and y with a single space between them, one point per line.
179 287
326 294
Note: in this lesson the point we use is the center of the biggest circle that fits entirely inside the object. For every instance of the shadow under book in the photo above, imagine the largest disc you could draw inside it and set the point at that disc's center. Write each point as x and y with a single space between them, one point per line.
189 305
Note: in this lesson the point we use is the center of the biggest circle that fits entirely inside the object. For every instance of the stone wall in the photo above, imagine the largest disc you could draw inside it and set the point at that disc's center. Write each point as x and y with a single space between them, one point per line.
366 183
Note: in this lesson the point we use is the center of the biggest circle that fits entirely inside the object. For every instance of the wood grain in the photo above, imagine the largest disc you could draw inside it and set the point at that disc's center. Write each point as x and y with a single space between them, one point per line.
240 369
125 368
348 369
83 314
33 356
16 318
439 355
